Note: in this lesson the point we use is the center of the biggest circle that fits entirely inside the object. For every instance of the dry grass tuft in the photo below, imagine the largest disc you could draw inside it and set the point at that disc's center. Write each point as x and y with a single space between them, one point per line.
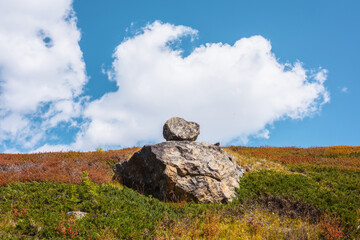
251 163
252 224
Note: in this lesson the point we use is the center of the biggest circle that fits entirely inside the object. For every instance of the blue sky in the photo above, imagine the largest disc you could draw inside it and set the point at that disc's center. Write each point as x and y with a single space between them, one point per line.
86 74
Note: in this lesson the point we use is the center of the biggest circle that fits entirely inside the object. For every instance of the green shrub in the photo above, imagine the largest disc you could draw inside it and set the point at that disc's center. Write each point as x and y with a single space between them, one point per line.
113 212
88 189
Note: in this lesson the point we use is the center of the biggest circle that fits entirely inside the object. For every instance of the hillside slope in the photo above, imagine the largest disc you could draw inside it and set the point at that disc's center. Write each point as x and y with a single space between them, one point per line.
287 193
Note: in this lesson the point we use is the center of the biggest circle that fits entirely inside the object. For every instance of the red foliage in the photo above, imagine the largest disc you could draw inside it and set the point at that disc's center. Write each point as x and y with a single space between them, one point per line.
66 228
331 228
342 157
65 167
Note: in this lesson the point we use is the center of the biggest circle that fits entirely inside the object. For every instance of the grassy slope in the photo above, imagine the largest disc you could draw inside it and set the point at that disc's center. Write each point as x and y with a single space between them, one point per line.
287 193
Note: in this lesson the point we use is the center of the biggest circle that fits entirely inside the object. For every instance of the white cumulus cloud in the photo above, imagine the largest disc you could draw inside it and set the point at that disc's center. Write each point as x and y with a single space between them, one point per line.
232 91
42 72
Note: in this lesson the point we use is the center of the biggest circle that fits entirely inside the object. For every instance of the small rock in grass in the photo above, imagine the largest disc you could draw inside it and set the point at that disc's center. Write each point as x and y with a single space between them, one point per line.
77 214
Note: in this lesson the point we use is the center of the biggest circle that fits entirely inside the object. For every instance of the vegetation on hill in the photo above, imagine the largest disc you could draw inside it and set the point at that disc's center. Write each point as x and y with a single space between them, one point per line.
287 193
61 167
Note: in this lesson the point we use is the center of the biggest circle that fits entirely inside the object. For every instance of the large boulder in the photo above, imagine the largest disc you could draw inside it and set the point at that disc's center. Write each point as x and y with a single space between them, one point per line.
178 129
178 171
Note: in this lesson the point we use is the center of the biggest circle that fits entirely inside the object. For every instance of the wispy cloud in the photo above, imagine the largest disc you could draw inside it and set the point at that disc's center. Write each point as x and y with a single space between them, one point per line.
344 89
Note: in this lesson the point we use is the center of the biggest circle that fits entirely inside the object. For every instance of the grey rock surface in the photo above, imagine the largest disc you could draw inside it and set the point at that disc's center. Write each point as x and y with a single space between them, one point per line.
178 129
77 214
185 170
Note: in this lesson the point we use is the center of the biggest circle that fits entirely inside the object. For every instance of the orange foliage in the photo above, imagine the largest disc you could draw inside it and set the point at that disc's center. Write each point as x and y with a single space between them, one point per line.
342 157
66 228
65 167
331 228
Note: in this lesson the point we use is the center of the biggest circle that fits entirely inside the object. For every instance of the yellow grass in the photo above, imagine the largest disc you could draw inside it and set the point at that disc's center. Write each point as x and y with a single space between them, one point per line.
256 163
253 224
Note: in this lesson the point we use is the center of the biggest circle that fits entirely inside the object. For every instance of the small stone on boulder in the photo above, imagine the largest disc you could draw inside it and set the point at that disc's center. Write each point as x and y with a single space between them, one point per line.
178 129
